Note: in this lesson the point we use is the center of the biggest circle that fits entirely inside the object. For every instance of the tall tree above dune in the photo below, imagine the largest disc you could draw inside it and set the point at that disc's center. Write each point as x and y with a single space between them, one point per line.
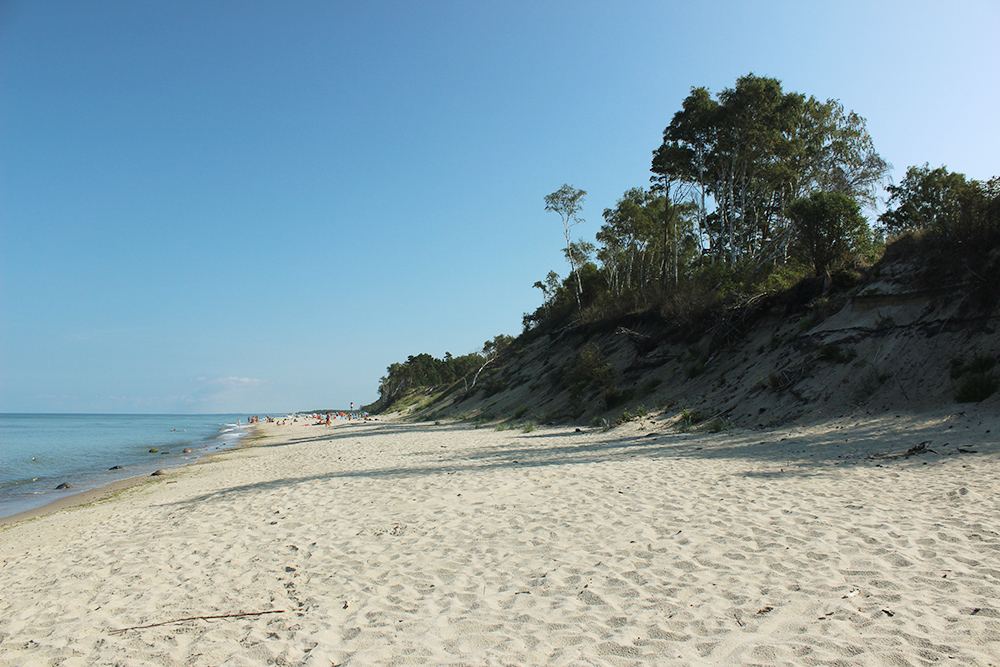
567 202
755 149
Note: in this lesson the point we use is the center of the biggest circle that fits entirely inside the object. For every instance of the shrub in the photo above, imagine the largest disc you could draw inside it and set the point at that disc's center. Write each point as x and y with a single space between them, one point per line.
716 425
650 386
777 381
690 417
977 388
979 382
615 396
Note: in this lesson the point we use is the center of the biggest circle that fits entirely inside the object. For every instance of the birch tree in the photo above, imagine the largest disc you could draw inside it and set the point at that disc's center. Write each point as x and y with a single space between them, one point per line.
567 202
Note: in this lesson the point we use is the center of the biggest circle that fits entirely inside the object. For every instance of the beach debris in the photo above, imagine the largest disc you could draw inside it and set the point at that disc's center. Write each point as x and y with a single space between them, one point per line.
200 618
916 450
187 450
153 450
764 610
962 450
159 472
64 485
922 448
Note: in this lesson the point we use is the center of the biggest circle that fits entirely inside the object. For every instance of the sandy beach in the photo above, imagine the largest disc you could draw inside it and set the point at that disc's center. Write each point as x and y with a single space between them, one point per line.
390 543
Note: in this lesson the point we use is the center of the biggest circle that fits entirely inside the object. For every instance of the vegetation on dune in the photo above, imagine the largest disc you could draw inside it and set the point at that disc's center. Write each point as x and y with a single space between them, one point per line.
754 191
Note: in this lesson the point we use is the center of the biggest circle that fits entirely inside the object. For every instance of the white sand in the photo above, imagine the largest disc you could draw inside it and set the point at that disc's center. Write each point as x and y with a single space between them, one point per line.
400 544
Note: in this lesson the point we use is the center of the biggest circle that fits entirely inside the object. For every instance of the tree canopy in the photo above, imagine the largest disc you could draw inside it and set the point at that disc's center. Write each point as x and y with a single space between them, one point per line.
829 228
755 149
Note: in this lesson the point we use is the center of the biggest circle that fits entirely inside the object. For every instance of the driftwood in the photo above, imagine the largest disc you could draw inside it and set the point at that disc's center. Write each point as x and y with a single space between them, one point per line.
201 618
916 450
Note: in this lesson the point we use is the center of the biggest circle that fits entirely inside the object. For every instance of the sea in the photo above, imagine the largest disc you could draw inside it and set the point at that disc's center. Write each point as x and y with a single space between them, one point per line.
39 452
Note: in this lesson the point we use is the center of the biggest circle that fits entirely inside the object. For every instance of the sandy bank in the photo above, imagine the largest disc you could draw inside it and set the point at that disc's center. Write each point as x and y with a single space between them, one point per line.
388 543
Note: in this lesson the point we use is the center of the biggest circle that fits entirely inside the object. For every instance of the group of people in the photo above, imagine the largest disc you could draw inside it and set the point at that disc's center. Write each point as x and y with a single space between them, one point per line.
320 419
327 419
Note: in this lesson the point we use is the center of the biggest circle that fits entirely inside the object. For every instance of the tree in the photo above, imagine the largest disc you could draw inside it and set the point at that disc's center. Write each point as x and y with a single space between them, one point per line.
567 202
829 227
491 352
926 199
754 151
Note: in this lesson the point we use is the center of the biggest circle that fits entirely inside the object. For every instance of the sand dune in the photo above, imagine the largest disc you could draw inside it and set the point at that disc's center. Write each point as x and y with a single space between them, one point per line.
406 544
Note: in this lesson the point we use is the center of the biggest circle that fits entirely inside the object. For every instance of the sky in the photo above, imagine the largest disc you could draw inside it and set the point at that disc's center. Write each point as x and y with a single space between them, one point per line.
258 206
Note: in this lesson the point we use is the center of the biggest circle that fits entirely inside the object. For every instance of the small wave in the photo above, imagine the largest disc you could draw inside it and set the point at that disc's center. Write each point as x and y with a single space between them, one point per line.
18 482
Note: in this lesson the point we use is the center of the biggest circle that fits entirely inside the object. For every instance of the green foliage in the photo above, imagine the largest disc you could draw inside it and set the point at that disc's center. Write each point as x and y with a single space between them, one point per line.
547 417
592 369
829 228
750 153
778 381
779 277
980 363
614 396
925 199
423 370
977 388
946 204
560 306
567 202
716 425
645 240
754 150
978 379
690 418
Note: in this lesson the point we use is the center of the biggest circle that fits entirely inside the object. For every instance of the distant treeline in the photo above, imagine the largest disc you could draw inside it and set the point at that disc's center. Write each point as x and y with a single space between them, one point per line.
424 370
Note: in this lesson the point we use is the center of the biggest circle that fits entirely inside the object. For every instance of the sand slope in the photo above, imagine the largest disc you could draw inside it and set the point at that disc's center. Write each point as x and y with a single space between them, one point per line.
407 544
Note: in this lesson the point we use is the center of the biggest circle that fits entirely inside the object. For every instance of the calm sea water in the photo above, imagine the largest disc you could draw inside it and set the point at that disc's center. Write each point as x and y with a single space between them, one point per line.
39 452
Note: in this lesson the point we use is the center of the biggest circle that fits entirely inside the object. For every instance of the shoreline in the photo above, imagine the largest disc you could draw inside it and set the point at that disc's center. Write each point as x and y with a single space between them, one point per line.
367 543
103 491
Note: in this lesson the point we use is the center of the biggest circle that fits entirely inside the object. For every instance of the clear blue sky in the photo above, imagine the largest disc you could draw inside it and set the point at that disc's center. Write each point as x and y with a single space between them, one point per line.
258 206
